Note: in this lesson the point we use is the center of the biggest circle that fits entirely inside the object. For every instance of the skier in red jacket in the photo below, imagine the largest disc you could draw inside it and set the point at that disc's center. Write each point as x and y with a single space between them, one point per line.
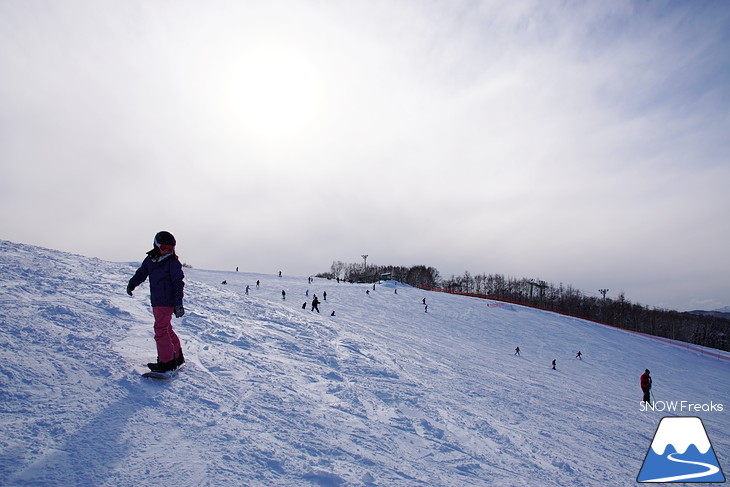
646 386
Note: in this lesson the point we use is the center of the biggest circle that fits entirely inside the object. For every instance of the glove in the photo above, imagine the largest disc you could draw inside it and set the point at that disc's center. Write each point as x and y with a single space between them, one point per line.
129 290
179 311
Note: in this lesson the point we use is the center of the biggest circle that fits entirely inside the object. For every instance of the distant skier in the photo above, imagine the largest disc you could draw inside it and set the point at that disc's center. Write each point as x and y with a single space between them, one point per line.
424 300
283 294
257 283
646 385
517 351
426 309
247 288
579 355
165 273
333 313
279 273
224 282
315 304
324 295
304 306
554 365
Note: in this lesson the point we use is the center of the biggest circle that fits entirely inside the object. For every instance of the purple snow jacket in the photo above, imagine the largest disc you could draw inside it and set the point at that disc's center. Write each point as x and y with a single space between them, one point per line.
166 279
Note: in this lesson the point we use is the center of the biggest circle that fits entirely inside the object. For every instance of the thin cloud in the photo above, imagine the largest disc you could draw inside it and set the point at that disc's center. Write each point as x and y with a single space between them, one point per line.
583 143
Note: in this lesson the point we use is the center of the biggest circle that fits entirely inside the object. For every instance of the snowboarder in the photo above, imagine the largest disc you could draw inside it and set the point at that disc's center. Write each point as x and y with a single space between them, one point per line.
279 273
554 365
426 309
424 301
283 294
517 351
257 283
324 295
333 313
247 288
579 355
224 282
646 386
315 304
304 306
164 270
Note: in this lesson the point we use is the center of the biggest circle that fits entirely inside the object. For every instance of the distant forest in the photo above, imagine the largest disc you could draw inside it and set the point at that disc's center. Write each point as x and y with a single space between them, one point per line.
705 330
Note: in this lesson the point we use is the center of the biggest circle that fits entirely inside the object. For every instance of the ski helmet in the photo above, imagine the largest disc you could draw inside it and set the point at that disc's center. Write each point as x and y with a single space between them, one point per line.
164 238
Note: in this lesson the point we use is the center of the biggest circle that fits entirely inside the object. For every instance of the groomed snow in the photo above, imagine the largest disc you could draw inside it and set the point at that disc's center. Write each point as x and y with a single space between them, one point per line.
381 394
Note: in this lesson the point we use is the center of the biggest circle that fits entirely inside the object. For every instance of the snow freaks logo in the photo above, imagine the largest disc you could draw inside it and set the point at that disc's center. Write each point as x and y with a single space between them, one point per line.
681 452
680 407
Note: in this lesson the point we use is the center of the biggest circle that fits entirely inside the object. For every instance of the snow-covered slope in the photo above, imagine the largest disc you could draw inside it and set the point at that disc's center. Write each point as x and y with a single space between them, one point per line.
381 394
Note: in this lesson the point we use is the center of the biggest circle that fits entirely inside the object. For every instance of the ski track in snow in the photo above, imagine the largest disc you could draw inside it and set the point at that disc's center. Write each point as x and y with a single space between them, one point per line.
382 394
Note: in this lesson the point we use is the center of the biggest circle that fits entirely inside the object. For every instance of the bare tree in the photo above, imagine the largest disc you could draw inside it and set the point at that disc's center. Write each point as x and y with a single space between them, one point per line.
337 267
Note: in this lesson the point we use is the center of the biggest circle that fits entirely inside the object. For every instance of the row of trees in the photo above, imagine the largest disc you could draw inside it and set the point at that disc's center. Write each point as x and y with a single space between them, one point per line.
709 331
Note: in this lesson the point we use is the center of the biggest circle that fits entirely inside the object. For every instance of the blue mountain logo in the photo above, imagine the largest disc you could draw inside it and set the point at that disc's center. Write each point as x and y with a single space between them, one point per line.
681 452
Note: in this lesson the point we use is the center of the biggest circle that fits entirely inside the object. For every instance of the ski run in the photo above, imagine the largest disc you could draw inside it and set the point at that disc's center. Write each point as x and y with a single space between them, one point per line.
382 393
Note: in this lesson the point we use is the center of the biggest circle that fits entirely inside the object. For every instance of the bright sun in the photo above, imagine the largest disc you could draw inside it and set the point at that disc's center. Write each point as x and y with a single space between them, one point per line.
275 93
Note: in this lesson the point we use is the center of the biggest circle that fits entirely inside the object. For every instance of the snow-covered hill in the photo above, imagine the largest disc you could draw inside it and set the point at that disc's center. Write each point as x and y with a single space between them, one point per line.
381 394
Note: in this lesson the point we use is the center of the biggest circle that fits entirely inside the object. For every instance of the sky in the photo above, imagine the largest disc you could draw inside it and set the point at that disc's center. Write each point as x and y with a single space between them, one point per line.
583 143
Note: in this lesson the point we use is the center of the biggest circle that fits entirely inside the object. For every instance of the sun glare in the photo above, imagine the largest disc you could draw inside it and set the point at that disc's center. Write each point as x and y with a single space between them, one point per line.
275 93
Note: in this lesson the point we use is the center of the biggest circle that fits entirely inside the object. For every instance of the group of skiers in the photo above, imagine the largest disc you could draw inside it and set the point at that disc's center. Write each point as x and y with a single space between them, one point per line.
315 301
165 273
555 361
645 379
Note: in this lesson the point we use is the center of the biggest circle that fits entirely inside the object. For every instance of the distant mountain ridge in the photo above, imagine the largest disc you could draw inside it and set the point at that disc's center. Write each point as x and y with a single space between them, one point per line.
718 313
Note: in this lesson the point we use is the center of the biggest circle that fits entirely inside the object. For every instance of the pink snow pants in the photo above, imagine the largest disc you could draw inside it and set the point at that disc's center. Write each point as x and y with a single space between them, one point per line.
168 344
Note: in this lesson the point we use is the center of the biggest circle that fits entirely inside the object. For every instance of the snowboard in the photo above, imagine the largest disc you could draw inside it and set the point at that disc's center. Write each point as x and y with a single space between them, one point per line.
162 375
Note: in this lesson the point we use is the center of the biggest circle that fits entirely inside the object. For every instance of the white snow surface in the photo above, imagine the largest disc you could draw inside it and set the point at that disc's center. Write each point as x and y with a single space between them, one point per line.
680 432
382 394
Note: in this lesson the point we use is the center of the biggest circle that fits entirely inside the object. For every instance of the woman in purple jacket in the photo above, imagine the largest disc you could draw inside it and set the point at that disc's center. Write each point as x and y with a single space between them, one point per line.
165 273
